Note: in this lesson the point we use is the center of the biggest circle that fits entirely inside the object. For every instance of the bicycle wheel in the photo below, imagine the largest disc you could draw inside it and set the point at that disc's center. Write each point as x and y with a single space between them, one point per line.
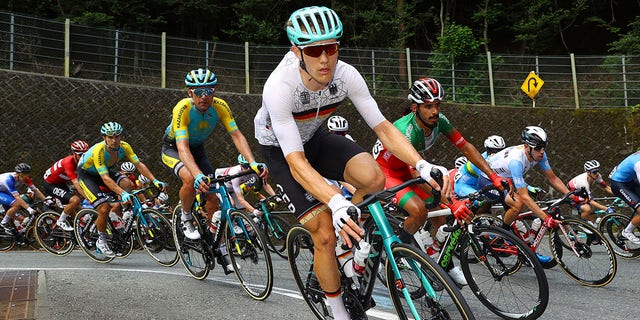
583 253
7 241
156 237
51 238
510 280
249 255
611 227
87 235
432 292
300 254
277 237
192 252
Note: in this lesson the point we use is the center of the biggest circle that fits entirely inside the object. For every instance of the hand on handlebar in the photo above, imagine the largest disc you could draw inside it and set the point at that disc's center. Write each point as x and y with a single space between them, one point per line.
461 211
344 225
550 222
201 183
260 168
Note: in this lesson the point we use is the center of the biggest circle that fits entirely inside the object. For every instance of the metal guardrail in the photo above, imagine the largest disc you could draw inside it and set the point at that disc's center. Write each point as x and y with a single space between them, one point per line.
60 48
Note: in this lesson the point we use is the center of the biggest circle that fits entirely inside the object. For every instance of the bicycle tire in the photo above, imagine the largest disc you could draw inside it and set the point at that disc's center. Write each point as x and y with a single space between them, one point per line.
193 253
122 246
414 265
503 279
277 238
86 236
249 255
7 241
611 226
157 238
595 265
51 238
300 255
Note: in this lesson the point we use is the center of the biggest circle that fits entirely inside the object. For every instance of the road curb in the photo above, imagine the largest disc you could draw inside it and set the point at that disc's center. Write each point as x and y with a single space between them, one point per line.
43 304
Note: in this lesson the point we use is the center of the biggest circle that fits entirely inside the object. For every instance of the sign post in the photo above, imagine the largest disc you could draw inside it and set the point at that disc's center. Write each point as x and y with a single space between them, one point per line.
531 86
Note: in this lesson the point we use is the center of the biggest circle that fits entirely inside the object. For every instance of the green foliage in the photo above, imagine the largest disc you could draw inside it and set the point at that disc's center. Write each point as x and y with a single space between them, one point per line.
628 43
94 19
458 41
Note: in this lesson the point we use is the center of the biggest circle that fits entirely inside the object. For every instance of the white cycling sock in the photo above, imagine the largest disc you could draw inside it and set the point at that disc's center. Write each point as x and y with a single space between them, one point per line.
6 219
337 307
628 229
185 216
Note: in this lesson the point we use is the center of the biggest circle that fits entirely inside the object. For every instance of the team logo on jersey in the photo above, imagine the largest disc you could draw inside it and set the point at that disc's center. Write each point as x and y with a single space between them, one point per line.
333 89
305 97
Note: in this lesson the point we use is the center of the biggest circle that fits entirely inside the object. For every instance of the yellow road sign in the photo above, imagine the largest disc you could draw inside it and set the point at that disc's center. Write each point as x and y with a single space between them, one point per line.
532 85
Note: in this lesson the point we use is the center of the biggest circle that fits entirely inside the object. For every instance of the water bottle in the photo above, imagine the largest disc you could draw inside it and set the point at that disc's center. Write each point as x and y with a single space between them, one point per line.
441 235
215 222
345 258
127 215
116 220
522 230
582 237
535 225
360 256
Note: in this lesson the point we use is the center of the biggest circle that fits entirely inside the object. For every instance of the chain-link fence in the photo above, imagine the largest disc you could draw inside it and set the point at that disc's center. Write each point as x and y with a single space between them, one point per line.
37 45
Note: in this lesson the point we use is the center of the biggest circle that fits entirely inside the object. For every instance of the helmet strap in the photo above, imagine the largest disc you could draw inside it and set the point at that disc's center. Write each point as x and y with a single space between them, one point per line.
303 66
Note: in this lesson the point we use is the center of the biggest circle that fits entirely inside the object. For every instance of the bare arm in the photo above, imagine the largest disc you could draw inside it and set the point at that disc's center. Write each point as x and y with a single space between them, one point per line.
555 182
243 147
476 158
531 204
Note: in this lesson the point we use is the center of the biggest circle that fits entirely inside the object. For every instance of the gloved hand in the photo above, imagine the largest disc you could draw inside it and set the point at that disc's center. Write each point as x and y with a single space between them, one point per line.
258 167
580 200
339 206
534 190
424 169
159 184
201 181
125 196
550 222
610 210
461 211
31 211
497 181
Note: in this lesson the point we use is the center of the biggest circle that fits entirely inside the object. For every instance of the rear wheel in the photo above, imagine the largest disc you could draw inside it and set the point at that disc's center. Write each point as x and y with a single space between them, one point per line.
583 253
192 252
155 236
611 227
86 234
277 237
52 238
249 255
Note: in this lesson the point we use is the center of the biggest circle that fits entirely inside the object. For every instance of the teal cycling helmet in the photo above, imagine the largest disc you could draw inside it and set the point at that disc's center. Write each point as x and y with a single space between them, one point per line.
111 129
200 78
242 160
313 24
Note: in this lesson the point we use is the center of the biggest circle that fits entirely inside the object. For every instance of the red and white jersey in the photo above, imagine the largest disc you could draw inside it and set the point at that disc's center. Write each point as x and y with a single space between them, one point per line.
582 181
63 171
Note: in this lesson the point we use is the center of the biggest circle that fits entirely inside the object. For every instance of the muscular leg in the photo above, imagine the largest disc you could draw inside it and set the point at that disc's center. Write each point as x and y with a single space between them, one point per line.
515 206
324 257
364 173
103 213
187 192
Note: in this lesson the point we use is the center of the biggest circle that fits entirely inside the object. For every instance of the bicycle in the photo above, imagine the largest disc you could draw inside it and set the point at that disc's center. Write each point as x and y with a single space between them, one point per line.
274 227
611 226
578 248
25 234
152 231
51 238
245 245
418 287
500 269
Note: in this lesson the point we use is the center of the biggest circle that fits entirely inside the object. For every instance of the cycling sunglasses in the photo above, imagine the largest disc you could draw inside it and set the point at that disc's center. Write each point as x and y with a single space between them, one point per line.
317 50
203 91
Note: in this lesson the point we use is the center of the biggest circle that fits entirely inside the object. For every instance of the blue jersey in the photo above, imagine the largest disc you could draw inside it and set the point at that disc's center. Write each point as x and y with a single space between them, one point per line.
466 180
628 170
513 163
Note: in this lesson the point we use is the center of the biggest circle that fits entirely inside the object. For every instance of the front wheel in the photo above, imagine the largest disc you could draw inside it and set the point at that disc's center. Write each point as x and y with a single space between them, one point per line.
583 253
611 227
154 233
249 255
499 268
86 234
419 288
52 238
276 234
193 253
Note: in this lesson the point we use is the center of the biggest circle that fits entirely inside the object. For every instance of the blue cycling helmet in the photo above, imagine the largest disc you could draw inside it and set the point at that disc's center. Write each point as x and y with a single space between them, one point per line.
111 129
242 160
200 78
313 24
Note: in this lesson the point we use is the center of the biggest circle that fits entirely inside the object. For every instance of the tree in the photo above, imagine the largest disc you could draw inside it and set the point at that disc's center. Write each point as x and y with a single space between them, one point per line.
629 43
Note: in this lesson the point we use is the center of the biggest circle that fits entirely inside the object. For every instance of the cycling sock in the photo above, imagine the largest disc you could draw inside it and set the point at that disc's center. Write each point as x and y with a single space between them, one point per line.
628 229
6 219
102 236
337 304
405 236
186 216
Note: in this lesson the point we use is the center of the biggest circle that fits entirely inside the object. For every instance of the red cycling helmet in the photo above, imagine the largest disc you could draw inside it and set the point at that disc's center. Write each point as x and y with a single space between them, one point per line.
79 146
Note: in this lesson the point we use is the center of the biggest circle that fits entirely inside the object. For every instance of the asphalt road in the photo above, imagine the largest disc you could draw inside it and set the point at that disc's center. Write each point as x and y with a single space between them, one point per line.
75 287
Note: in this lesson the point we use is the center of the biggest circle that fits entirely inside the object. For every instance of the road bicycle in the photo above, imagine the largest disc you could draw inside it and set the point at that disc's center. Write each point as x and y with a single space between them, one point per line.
51 238
152 231
500 269
246 247
580 250
418 287
273 225
25 234
611 226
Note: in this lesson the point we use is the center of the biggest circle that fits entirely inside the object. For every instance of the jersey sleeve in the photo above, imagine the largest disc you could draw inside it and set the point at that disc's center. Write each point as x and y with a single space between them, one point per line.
517 173
277 101
128 152
225 115
180 120
99 161
362 99
69 167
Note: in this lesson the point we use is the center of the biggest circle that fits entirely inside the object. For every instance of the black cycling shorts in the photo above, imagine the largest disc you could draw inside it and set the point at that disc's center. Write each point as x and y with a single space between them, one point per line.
629 192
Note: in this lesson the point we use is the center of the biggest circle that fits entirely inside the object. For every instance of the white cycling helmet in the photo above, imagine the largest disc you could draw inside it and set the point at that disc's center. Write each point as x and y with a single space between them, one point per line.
494 142
338 123
143 179
591 165
163 197
460 161
127 167
535 136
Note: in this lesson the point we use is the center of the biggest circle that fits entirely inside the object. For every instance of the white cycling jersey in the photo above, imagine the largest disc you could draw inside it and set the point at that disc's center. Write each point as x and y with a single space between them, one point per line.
581 181
291 113
233 186
513 163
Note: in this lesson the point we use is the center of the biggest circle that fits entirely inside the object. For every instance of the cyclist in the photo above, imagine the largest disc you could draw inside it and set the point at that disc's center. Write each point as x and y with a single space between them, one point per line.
96 174
512 163
192 122
624 184
235 189
340 126
584 180
305 88
61 181
466 180
10 197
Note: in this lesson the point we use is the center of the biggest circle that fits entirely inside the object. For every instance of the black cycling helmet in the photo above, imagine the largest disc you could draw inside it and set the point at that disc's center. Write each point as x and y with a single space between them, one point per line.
535 137
23 168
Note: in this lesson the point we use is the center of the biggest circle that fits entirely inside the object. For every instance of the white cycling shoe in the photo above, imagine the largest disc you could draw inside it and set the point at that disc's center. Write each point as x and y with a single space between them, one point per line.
457 276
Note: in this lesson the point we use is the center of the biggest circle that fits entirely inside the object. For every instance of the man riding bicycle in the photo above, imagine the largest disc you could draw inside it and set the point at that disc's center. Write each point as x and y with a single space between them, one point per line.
96 173
303 91
584 180
10 197
624 184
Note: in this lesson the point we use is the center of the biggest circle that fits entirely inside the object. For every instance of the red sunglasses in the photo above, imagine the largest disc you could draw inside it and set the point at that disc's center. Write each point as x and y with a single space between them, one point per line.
317 50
